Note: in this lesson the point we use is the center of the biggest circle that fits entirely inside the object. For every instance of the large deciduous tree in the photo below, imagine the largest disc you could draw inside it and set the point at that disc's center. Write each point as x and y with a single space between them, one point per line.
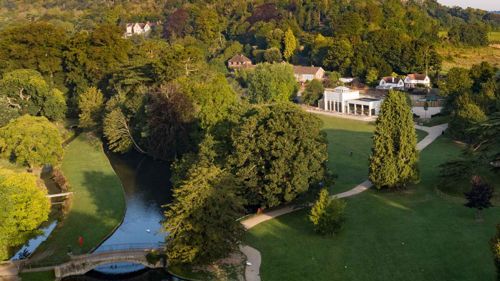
271 83
211 95
24 207
393 163
91 106
278 152
36 45
170 122
31 141
201 222
26 91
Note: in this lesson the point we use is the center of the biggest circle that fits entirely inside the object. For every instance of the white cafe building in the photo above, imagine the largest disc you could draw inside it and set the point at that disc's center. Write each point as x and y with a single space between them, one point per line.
347 101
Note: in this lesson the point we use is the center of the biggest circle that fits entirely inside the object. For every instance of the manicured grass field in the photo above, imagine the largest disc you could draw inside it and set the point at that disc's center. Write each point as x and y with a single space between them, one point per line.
98 203
410 235
344 136
38 276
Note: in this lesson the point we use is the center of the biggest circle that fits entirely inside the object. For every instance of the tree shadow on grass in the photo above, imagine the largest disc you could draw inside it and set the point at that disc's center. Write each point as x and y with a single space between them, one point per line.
106 193
65 237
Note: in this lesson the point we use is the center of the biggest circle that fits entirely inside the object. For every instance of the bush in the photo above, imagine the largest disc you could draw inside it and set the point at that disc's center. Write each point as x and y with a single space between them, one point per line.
327 216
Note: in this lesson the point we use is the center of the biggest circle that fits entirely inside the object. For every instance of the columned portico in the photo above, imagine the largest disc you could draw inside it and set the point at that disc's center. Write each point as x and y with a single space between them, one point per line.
347 101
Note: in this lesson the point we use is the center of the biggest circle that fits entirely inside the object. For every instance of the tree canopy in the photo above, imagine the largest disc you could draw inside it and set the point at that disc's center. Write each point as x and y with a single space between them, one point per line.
393 163
201 221
24 207
27 91
278 152
271 83
31 141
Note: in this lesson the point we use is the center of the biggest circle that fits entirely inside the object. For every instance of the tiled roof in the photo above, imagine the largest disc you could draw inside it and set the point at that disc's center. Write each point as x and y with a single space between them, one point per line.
392 80
298 69
240 59
417 76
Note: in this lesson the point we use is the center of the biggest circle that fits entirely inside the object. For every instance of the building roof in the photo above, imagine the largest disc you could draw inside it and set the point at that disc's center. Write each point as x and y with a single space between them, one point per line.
417 76
392 80
239 58
301 70
342 88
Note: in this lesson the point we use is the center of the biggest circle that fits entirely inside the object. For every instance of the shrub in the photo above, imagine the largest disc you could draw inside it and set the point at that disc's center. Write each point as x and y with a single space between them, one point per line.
327 215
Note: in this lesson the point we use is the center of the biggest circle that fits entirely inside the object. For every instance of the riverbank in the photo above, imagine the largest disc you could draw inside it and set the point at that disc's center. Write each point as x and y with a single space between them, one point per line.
98 203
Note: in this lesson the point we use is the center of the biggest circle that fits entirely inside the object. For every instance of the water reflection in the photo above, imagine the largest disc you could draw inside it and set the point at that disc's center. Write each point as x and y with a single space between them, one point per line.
147 187
33 243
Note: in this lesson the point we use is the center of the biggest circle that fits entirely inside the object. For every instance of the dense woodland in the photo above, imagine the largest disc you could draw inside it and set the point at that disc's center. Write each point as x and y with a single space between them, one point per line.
235 136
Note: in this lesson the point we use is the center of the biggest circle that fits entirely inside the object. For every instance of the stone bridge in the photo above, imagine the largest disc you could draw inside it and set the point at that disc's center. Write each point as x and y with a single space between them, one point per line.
82 264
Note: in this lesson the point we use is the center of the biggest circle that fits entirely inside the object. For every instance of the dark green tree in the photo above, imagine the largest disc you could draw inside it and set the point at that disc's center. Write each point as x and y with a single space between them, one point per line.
313 92
393 163
479 197
278 152
170 122
201 221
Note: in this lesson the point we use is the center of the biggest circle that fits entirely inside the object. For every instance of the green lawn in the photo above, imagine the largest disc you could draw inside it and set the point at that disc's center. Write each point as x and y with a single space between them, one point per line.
98 204
38 276
344 136
411 235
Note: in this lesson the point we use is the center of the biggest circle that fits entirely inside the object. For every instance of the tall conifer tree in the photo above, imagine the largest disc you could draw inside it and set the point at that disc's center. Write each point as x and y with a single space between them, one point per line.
393 163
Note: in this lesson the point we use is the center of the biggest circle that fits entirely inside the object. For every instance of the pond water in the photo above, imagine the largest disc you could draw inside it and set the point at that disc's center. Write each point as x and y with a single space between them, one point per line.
147 188
33 243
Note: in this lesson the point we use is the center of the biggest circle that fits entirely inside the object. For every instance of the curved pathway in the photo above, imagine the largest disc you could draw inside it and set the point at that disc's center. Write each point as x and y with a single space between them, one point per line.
253 255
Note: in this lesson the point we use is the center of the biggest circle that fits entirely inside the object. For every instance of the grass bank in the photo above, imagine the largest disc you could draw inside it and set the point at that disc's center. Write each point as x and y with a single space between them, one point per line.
413 235
98 202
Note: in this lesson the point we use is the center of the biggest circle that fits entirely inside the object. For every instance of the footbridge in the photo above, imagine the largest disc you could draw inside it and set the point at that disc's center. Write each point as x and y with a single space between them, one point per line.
133 253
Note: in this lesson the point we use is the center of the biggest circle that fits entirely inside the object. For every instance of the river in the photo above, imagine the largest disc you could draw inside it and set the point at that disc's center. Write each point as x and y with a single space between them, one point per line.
147 187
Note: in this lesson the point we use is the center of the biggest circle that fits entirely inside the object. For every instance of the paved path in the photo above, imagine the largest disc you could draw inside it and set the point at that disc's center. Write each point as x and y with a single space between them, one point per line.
252 272
8 272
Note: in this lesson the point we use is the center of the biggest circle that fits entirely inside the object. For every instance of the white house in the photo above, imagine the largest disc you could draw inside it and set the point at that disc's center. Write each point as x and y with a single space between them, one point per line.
347 101
307 73
388 83
415 79
139 28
